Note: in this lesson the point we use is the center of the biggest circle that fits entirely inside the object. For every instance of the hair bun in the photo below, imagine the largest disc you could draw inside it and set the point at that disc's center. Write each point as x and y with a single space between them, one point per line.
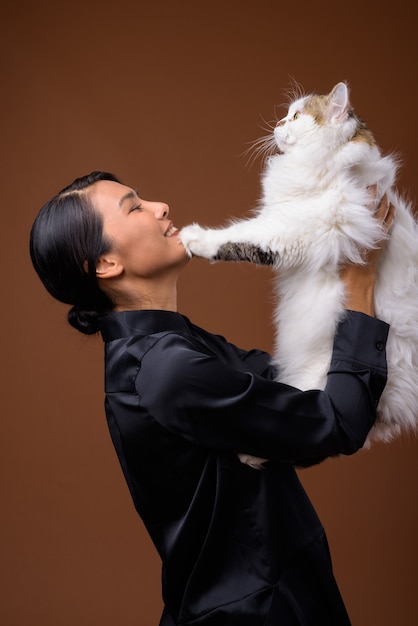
86 322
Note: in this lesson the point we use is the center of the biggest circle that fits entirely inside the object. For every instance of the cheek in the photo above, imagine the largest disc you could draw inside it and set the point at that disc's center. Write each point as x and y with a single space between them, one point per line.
148 246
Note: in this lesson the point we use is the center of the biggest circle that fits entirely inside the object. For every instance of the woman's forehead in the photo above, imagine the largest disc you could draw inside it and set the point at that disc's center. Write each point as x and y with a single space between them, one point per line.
107 194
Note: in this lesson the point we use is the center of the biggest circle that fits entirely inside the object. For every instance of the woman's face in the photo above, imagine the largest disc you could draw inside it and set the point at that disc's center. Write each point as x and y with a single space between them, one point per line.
143 237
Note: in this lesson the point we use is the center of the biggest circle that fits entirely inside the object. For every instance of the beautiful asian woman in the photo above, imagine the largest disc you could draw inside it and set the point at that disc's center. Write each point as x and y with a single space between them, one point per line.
239 546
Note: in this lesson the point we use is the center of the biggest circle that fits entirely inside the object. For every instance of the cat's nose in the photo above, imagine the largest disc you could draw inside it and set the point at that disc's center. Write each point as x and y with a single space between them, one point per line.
281 122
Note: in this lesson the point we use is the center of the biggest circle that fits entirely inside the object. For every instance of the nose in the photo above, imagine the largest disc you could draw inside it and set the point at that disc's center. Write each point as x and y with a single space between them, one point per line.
281 122
161 210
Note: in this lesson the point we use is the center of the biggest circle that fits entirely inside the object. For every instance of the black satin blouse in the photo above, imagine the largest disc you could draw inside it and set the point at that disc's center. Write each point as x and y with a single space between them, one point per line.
239 547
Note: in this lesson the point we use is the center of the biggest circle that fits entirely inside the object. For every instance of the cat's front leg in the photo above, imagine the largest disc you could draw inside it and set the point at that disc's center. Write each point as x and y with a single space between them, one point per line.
223 245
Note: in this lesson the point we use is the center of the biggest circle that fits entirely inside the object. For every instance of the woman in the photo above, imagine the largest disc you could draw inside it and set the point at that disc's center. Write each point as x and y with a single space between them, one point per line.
238 546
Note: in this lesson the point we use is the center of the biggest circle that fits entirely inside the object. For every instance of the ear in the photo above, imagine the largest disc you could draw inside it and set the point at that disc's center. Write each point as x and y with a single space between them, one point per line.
338 103
108 267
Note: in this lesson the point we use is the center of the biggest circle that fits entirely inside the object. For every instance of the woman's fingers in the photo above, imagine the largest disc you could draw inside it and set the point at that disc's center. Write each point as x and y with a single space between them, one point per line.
389 217
385 213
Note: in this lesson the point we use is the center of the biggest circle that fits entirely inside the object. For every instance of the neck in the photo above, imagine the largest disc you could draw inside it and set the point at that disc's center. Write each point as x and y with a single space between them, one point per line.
144 294
145 303
155 299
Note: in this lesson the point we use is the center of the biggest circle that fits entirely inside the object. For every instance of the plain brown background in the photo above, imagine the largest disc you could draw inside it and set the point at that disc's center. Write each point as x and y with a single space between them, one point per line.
168 95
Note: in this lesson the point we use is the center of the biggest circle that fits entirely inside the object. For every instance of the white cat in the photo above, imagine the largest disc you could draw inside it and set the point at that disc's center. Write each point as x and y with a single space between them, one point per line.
313 217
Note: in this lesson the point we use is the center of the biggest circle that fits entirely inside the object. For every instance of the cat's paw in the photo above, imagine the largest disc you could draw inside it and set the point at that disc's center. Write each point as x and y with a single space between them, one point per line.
253 461
197 241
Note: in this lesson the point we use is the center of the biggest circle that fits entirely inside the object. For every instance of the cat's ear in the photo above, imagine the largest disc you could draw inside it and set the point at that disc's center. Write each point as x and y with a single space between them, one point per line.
338 102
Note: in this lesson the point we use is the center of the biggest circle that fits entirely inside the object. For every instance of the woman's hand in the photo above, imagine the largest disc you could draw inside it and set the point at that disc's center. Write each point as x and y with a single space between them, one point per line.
360 279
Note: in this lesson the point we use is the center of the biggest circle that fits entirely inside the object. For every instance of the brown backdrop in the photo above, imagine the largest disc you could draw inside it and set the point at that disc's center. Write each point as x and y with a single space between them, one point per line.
168 95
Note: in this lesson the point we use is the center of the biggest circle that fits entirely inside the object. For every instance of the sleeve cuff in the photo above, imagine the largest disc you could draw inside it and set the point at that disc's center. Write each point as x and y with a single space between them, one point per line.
361 338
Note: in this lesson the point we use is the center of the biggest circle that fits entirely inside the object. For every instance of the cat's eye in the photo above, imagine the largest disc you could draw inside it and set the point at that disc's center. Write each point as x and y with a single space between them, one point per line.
296 115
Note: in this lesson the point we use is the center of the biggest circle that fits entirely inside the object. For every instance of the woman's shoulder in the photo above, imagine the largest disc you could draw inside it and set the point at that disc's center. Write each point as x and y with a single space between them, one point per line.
124 356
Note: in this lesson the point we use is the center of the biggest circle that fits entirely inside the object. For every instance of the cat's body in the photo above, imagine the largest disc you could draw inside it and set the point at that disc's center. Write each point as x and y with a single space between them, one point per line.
314 216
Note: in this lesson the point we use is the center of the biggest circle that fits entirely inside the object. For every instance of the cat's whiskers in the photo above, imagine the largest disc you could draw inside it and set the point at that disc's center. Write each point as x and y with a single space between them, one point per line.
294 92
262 147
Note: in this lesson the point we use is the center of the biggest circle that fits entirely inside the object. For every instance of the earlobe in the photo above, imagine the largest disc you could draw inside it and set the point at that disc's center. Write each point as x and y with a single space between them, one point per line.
108 267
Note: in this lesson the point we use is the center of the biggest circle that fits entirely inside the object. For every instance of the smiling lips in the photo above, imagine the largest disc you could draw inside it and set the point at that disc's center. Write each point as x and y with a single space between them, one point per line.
171 230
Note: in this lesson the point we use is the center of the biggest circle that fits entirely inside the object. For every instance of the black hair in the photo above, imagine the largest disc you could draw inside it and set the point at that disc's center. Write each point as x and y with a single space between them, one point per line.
66 241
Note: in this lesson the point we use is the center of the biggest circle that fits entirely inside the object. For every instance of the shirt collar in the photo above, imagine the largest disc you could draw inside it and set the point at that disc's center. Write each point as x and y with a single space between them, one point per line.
142 322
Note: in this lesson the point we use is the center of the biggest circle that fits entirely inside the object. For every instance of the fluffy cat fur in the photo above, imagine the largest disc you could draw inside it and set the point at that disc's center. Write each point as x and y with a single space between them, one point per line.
314 216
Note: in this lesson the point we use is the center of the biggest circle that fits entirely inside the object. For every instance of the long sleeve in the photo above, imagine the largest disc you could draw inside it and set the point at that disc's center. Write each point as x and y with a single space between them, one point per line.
195 394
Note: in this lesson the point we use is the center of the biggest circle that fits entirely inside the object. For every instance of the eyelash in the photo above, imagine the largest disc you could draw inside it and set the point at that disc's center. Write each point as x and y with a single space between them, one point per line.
138 207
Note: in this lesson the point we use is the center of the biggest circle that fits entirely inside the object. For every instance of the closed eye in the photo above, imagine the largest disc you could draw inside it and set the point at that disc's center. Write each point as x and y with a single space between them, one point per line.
137 207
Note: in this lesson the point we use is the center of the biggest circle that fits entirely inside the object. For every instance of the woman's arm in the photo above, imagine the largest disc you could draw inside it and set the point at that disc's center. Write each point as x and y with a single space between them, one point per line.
214 405
360 279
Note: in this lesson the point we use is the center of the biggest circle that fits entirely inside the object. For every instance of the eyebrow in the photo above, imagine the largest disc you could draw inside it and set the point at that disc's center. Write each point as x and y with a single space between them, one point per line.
131 194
